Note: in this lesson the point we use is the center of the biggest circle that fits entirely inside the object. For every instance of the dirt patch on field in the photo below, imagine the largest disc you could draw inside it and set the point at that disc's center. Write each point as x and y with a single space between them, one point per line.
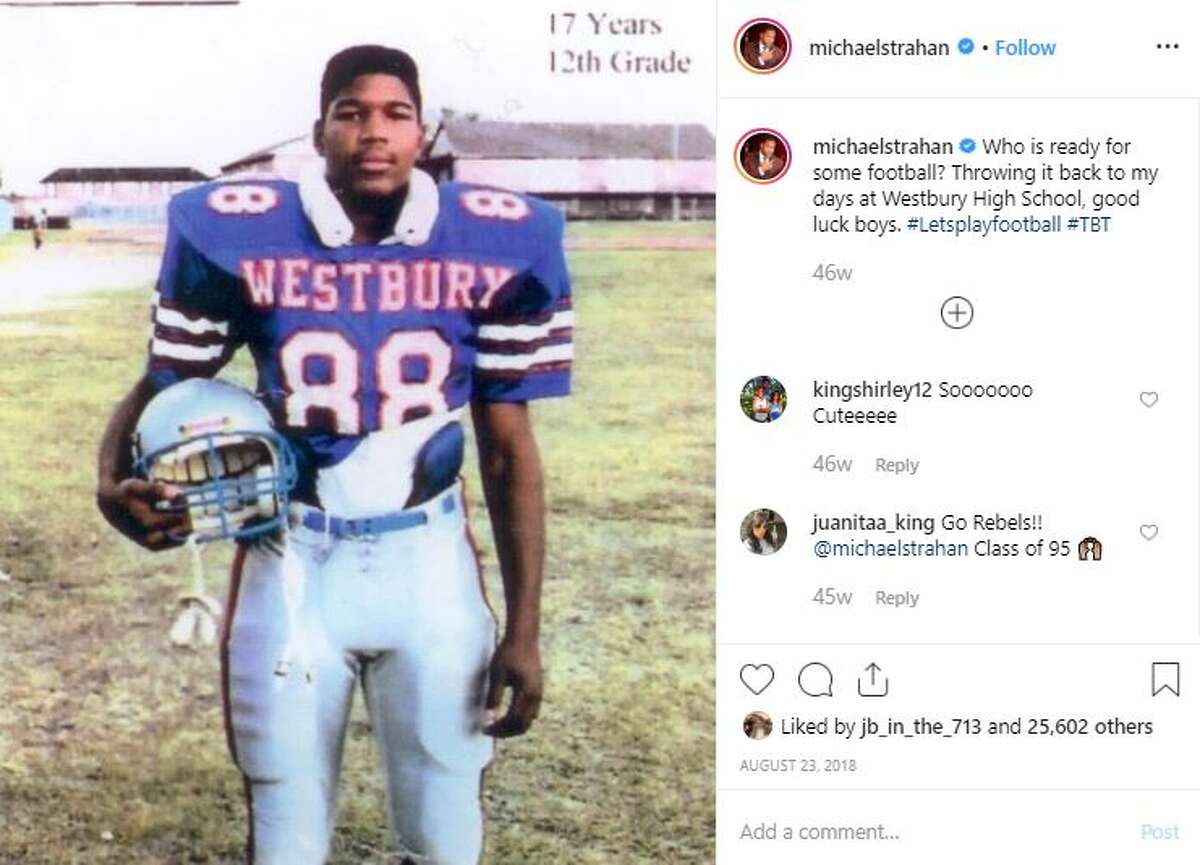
136 236
60 275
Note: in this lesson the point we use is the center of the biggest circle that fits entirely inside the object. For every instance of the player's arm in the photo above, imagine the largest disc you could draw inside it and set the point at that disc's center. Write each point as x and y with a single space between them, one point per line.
193 334
125 501
512 484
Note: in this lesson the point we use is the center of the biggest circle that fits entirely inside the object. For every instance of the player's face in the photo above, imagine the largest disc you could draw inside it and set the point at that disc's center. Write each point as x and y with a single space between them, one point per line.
768 37
768 148
370 137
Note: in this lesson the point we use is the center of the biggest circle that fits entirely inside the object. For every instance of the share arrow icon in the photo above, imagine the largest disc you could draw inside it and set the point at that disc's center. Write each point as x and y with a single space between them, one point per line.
875 684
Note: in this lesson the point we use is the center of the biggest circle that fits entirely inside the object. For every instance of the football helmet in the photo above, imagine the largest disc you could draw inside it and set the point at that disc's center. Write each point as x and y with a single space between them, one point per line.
215 441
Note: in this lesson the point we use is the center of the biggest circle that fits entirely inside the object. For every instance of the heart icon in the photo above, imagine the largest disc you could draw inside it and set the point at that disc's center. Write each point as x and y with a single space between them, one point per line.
1149 531
757 677
1148 398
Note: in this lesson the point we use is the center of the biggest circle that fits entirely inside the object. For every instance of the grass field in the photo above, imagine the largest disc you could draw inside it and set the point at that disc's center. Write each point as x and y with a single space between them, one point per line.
19 242
13 244
111 743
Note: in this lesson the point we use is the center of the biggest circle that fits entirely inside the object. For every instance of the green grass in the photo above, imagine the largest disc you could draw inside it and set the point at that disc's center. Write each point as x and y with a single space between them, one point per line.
104 729
636 231
12 243
17 242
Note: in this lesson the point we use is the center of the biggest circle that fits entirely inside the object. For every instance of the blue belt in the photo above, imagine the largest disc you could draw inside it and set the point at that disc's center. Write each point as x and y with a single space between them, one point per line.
364 527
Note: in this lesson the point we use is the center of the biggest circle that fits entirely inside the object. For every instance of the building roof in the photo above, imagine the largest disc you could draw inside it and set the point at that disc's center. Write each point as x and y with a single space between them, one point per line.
300 144
501 139
125 175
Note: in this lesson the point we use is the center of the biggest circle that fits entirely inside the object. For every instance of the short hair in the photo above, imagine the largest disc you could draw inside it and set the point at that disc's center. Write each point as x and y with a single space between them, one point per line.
349 63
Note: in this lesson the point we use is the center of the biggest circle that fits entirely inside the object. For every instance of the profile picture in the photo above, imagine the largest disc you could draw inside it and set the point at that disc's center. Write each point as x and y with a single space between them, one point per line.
757 725
763 399
763 45
763 532
763 156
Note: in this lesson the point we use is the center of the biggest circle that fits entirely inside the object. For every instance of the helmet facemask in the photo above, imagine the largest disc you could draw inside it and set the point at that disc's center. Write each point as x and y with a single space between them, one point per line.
233 484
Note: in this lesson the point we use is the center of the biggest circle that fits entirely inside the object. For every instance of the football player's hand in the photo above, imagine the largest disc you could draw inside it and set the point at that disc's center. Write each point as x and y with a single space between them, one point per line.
516 665
129 507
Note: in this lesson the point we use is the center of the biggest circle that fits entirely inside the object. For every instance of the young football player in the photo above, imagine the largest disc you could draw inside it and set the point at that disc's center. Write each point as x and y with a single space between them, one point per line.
378 307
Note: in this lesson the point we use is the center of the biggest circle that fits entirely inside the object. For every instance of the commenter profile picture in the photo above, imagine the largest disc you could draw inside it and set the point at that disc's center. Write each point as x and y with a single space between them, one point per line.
763 532
763 45
763 155
763 399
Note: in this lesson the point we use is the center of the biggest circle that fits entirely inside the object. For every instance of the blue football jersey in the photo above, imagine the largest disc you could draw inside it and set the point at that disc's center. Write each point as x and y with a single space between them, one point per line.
468 299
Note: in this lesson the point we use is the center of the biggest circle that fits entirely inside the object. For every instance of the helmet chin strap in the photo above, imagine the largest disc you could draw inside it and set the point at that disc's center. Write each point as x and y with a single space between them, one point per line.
296 649
196 623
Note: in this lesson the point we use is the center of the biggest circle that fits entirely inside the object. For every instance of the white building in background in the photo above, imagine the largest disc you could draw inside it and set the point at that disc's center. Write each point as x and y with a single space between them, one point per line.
110 195
593 170
285 159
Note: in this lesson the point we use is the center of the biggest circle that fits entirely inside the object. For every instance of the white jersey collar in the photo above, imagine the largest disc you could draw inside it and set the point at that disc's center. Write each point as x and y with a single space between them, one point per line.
324 211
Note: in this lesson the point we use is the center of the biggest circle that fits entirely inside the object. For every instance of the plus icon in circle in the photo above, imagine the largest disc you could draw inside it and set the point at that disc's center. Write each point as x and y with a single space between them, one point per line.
957 312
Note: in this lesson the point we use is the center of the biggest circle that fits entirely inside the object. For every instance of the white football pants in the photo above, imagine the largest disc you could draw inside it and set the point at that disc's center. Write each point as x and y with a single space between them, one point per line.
402 612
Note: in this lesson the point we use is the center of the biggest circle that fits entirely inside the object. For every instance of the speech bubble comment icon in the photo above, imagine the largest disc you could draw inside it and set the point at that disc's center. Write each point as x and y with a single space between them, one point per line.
816 680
